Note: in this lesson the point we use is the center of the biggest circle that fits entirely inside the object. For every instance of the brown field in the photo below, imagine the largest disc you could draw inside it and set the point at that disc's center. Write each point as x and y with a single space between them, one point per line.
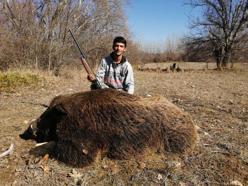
217 101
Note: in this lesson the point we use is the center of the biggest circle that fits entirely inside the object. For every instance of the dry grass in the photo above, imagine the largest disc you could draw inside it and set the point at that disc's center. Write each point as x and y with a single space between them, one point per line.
217 101
9 81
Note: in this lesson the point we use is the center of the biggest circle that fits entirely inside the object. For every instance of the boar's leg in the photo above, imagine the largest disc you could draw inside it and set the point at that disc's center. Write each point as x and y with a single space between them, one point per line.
74 153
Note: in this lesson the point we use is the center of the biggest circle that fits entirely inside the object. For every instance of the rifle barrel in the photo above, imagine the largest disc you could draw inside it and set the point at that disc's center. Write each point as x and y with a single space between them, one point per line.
77 44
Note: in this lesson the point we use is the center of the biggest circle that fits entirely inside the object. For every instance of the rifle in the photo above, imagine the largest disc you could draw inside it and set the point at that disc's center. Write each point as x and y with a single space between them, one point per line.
82 58
95 84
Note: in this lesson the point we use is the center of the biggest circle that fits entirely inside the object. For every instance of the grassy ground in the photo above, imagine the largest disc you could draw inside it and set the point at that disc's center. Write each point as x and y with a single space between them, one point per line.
217 101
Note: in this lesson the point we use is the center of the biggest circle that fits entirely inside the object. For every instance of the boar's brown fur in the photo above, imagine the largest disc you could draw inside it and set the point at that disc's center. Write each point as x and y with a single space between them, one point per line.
118 124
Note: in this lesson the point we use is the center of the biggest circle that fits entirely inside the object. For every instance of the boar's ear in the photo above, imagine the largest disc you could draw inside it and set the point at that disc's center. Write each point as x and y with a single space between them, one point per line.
51 116
59 108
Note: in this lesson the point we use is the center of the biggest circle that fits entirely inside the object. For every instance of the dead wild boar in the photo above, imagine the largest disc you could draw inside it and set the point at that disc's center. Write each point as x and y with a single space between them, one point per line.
114 122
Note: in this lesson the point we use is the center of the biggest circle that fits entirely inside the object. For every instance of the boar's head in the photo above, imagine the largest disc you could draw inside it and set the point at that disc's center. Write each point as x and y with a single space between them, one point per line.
44 128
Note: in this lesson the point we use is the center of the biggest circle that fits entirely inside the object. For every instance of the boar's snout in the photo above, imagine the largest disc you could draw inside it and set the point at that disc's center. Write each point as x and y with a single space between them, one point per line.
30 133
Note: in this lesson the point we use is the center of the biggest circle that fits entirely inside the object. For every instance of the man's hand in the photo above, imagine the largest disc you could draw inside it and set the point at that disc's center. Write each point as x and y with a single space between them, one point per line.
91 77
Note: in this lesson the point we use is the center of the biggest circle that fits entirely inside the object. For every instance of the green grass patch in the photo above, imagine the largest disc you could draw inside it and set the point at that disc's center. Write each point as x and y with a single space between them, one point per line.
9 81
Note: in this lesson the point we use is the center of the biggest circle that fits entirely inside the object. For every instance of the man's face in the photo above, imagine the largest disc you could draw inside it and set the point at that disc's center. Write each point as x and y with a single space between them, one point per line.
119 48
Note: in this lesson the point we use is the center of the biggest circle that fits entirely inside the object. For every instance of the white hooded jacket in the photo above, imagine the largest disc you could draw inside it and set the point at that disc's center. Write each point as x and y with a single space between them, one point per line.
117 76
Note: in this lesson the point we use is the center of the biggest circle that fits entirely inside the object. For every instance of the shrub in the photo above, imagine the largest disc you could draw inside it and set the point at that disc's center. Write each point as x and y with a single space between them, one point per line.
9 81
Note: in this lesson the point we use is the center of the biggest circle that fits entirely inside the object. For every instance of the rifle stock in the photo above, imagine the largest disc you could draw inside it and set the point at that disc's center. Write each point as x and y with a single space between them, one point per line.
87 67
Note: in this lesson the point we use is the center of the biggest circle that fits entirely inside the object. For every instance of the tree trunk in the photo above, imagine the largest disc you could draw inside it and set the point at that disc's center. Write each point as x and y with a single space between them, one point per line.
50 56
226 57
36 56
218 63
217 53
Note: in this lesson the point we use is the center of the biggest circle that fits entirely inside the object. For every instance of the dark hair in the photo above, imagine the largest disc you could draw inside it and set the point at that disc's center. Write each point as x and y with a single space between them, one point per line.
120 39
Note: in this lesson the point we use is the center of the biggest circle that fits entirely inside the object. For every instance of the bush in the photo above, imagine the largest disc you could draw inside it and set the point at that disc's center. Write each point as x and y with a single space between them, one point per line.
9 81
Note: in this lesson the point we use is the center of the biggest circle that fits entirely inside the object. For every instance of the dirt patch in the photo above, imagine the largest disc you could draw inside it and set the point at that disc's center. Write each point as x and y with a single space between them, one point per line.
217 101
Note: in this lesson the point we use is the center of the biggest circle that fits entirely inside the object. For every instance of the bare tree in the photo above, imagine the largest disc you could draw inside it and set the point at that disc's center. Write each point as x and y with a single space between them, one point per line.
107 21
172 51
222 27
35 33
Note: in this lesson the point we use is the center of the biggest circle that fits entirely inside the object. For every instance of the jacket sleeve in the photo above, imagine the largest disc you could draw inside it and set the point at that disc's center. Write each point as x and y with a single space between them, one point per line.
129 80
101 73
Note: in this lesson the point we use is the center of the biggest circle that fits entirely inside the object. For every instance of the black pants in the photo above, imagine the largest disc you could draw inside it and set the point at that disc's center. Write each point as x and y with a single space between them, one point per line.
95 85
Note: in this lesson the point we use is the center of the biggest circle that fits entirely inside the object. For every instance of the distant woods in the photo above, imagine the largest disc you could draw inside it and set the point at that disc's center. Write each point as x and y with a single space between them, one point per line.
34 33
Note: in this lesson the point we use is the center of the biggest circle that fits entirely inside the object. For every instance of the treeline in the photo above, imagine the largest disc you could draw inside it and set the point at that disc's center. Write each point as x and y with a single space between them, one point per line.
34 33
219 34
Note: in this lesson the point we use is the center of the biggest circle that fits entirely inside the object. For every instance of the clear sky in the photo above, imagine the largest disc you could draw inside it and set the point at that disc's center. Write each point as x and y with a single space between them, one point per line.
152 22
